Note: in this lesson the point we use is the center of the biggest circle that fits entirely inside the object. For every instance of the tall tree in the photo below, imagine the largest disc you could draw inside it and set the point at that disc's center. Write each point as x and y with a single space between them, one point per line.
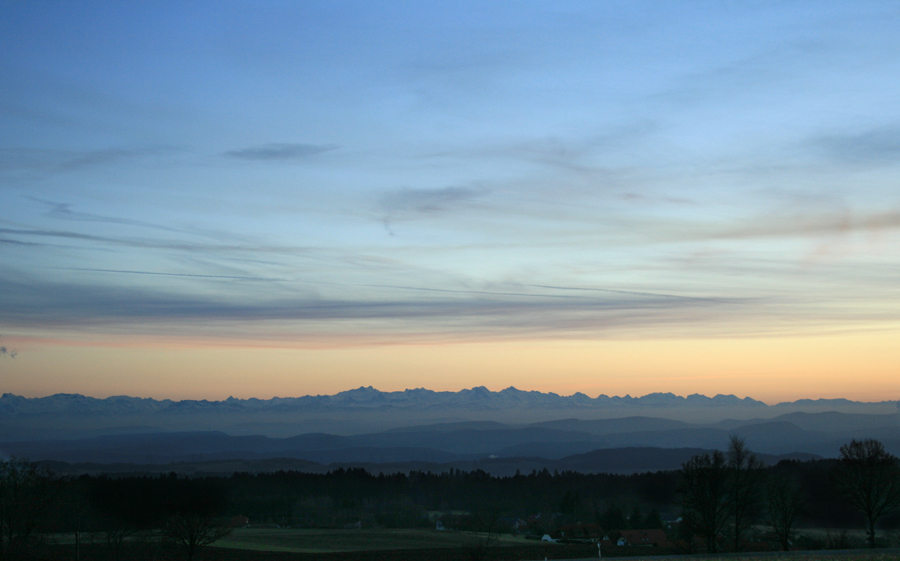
612 518
636 518
869 478
745 487
653 519
705 499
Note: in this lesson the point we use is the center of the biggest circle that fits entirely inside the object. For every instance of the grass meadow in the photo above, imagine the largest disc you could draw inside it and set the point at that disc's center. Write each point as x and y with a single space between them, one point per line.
325 541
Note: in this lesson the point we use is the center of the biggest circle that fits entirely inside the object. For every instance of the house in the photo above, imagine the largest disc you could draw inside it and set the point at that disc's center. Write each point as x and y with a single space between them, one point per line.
606 542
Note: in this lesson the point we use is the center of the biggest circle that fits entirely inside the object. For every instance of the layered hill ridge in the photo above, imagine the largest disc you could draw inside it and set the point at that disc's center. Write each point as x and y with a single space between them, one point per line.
821 435
418 418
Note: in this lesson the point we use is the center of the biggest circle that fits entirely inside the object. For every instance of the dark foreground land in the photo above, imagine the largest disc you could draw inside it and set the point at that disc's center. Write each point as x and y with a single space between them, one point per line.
506 553
409 545
337 545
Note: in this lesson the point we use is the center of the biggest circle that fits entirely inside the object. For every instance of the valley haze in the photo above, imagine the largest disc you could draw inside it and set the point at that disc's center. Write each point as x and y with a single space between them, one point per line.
499 431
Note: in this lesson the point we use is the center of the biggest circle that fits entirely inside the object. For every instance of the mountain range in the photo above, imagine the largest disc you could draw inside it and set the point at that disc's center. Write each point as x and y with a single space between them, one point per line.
367 409
369 397
505 430
363 397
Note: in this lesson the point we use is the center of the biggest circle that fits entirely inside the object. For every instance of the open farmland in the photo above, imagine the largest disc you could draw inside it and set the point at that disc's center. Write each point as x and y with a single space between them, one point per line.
537 552
410 544
823 555
324 541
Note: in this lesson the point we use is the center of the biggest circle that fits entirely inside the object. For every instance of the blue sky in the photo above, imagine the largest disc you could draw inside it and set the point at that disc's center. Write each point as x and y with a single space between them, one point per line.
312 175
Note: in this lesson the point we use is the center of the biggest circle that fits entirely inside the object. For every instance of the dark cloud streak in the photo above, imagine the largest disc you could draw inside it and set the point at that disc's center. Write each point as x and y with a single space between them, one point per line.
62 161
152 243
457 314
280 152
628 292
154 273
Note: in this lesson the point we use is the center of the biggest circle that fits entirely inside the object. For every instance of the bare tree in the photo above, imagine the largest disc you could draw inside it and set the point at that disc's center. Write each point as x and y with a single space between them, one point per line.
478 544
869 478
745 487
115 535
784 503
705 499
75 508
482 537
192 532
25 497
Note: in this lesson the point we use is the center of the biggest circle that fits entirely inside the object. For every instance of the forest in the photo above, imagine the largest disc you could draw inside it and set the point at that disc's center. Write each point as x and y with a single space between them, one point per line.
719 501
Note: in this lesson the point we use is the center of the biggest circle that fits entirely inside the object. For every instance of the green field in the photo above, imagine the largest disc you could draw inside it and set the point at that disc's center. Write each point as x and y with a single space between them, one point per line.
855 555
323 541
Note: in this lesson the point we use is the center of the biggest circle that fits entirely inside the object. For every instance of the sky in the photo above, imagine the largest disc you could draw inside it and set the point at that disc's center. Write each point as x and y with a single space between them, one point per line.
254 199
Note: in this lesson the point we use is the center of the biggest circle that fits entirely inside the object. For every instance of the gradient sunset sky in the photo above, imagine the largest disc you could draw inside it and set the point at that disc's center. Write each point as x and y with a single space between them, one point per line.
257 199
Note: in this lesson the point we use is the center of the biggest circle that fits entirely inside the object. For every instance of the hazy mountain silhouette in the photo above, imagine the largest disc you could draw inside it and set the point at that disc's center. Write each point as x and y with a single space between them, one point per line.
501 431
481 441
368 410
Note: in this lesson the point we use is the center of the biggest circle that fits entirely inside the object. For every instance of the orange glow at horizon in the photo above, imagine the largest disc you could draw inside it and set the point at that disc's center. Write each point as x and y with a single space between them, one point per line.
857 366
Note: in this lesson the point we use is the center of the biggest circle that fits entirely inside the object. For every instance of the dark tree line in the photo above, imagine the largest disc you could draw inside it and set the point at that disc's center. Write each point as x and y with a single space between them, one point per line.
25 498
346 495
719 495
869 478
723 494
191 511
183 512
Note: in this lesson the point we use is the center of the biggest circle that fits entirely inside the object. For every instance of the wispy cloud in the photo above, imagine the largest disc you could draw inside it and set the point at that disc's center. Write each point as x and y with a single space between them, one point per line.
151 243
429 201
388 314
61 161
442 314
407 204
65 211
577 157
161 274
21 243
805 224
875 146
280 152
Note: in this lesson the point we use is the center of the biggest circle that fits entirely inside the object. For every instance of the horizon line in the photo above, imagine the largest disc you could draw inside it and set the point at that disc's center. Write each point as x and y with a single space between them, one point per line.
474 388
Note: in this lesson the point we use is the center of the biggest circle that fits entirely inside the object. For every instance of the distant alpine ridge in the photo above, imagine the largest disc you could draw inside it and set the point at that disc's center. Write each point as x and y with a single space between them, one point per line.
502 431
369 398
